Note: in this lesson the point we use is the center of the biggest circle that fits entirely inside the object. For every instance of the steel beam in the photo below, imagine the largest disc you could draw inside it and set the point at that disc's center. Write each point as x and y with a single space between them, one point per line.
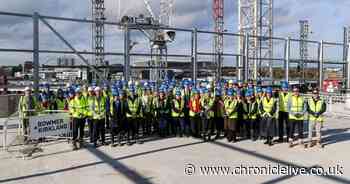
101 76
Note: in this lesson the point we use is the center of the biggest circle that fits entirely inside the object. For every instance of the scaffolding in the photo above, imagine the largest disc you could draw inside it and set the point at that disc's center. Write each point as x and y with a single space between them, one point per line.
256 20
218 14
303 48
98 33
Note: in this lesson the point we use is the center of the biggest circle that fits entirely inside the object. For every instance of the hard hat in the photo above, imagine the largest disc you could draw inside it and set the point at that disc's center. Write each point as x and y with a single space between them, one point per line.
97 89
269 90
209 86
27 89
217 93
77 90
115 93
258 90
230 92
194 91
284 85
90 89
230 81
178 93
239 92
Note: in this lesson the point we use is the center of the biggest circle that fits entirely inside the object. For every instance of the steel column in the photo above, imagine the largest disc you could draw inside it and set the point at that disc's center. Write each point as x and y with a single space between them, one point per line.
320 66
348 68
36 52
126 53
195 56
287 57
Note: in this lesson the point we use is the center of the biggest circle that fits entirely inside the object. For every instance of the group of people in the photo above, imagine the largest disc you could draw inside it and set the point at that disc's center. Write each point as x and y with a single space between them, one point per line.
132 111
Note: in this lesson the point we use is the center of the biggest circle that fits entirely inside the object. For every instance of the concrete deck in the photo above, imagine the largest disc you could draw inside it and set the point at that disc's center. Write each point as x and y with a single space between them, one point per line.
164 161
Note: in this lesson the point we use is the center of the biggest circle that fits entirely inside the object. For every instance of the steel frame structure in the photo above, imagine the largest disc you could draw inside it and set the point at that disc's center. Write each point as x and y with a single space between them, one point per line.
256 20
98 33
193 57
218 45
303 46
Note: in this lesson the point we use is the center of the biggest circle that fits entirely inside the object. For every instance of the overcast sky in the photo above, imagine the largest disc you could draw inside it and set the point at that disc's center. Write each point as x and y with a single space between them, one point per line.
327 19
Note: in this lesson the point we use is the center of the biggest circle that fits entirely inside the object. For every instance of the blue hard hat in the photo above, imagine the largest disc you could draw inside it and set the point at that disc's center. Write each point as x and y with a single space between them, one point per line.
194 91
178 93
258 90
269 90
115 93
284 85
217 93
239 92
230 92
77 90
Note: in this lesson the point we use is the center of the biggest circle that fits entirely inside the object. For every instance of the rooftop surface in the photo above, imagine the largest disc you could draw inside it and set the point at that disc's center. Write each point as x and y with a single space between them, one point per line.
172 160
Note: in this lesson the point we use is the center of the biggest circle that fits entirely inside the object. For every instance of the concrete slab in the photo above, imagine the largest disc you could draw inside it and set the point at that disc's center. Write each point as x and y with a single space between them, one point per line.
164 161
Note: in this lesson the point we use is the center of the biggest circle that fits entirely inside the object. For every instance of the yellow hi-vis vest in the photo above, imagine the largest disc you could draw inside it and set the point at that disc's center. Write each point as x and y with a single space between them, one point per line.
252 107
61 103
26 111
268 105
98 108
297 106
283 101
179 106
315 107
231 110
78 107
133 108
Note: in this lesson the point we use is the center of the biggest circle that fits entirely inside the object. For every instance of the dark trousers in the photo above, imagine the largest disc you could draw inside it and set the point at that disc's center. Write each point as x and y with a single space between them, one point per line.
283 124
91 128
117 128
99 130
163 124
196 125
179 123
207 127
296 124
270 127
219 125
246 128
231 129
78 128
254 128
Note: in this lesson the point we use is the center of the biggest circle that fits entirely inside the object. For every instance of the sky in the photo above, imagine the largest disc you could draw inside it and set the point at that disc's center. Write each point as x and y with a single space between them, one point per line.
327 19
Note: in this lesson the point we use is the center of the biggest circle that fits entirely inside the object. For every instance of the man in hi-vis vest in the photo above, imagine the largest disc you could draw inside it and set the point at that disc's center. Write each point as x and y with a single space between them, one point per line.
316 107
296 110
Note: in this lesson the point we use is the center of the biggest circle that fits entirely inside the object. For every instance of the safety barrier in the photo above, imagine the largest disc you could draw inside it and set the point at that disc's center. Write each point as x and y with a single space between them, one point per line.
50 125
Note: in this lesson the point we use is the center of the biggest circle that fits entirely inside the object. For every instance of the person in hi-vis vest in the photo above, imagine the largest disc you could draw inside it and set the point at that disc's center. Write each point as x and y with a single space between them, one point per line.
316 107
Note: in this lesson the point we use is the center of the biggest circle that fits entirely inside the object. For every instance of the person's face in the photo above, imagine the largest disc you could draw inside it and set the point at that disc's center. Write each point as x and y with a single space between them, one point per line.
28 93
196 96
178 97
268 95
316 95
91 93
98 93
78 94
161 95
296 92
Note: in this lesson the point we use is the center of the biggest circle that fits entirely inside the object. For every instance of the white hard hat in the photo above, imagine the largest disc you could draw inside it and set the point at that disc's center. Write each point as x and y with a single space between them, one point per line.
130 83
97 88
230 81
137 83
90 89
208 86
27 89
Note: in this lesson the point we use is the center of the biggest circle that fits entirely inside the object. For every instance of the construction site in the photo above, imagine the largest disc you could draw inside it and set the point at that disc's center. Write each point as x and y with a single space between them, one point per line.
144 40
